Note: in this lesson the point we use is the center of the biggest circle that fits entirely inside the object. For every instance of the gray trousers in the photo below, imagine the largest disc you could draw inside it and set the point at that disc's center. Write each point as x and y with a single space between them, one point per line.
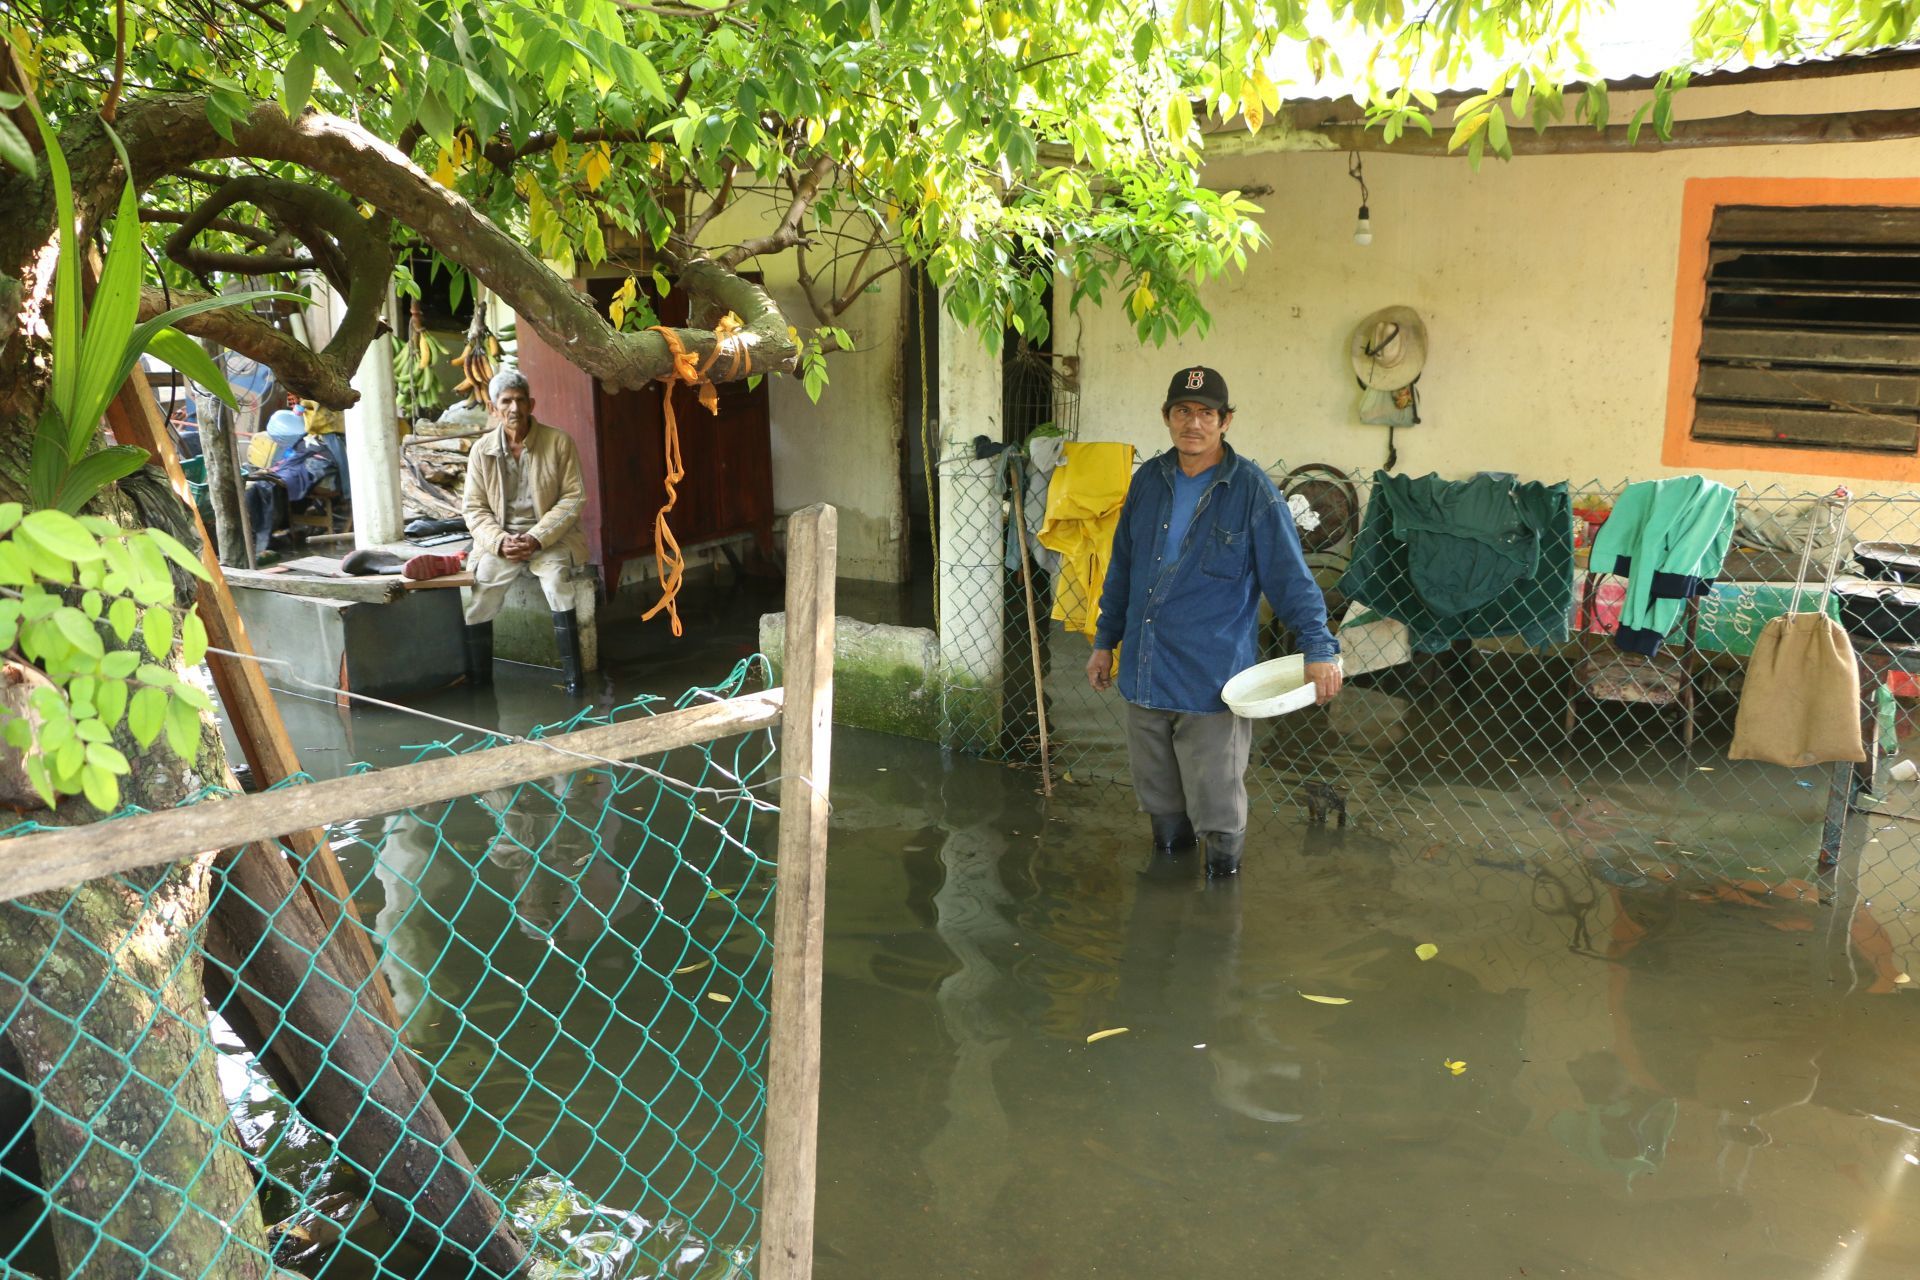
1196 765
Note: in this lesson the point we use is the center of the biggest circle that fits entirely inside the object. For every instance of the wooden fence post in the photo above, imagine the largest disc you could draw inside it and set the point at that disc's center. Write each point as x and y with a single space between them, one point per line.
799 919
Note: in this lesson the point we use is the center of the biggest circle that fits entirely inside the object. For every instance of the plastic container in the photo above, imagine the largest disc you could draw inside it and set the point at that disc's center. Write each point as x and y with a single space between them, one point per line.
1270 689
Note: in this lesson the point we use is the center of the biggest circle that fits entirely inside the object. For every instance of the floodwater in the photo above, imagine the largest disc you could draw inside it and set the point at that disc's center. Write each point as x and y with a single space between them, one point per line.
1050 1054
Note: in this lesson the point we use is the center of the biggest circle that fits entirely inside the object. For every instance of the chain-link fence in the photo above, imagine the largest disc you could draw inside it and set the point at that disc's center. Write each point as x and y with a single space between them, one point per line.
1520 737
198 1078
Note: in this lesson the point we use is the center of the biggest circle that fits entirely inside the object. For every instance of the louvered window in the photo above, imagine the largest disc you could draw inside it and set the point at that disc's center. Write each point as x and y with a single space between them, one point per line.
1811 337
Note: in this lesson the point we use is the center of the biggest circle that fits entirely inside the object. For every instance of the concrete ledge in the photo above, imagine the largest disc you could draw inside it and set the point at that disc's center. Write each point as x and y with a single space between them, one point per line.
884 678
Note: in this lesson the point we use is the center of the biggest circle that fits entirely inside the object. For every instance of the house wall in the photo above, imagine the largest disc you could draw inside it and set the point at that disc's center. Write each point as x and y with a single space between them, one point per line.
1548 288
846 449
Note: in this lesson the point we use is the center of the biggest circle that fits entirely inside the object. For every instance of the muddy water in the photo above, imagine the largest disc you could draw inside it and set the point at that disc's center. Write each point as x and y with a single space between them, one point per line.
1595 1075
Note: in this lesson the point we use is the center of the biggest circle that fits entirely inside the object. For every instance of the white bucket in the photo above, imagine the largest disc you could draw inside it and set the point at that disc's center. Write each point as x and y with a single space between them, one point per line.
1270 688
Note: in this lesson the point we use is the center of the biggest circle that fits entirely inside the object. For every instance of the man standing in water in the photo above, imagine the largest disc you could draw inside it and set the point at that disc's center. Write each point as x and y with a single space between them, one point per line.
1202 535
522 505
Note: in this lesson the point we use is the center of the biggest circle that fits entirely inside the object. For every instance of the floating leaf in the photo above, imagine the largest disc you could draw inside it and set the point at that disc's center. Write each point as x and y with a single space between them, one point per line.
1325 999
1110 1031
1426 951
1455 1066
716 997
724 893
692 968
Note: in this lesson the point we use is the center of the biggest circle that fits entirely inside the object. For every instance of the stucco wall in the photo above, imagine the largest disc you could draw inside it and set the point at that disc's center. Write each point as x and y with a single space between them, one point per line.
846 449
1547 283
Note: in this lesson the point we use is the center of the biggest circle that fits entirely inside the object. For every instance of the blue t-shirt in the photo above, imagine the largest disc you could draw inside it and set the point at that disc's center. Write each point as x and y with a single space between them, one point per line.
1186 500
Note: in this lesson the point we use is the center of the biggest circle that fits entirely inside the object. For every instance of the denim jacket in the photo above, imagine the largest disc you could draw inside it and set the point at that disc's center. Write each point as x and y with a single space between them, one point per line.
1186 619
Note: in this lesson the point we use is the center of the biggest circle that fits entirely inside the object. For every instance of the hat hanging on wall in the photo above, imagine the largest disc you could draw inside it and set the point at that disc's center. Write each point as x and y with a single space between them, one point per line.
1389 351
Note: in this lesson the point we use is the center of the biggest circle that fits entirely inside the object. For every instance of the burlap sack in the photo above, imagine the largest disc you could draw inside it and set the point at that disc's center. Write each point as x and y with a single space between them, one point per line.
1801 702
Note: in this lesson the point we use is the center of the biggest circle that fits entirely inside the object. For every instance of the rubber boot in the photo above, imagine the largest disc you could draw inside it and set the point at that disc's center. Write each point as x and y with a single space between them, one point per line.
480 655
1172 832
566 633
1223 853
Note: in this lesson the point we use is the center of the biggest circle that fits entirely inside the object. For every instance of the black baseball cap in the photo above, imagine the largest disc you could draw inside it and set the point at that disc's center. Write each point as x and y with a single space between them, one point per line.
1200 385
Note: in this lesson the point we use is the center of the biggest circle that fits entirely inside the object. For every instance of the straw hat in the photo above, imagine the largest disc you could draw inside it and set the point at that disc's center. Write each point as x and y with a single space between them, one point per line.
1389 349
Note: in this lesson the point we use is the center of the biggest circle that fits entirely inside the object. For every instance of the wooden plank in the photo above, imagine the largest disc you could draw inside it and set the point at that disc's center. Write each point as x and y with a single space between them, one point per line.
134 418
462 579
799 918
1750 424
1811 346
376 589
1815 224
1819 387
56 859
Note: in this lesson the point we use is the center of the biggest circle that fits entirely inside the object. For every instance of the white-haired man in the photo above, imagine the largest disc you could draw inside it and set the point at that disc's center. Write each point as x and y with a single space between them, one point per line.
522 506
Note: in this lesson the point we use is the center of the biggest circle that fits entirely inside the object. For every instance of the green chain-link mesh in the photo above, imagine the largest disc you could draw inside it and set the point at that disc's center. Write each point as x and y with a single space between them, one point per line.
581 965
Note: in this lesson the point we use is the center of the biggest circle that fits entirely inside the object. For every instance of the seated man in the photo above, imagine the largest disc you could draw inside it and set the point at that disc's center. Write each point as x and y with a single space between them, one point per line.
273 493
522 504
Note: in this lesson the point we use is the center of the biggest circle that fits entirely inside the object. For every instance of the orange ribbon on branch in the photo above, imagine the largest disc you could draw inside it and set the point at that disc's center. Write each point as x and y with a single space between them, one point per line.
667 557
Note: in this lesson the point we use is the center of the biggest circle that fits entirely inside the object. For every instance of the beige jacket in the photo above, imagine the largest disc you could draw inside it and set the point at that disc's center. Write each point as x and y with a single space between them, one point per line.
553 468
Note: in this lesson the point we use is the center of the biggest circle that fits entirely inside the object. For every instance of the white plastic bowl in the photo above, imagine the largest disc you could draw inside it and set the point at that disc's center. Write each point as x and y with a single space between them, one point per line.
1270 689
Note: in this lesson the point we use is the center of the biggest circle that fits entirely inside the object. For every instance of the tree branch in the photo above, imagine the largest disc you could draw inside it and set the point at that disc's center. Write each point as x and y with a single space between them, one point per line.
316 375
166 132
788 234
112 104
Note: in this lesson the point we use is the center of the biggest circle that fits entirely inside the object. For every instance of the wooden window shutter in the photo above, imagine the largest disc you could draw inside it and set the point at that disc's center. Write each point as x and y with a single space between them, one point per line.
1811 337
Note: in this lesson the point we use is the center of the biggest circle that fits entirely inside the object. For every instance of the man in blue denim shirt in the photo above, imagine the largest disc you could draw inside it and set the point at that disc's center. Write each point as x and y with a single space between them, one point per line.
1202 535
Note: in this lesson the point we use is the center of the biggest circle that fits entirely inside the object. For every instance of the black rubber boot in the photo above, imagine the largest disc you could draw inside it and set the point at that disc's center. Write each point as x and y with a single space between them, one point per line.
566 633
480 655
1223 853
1172 832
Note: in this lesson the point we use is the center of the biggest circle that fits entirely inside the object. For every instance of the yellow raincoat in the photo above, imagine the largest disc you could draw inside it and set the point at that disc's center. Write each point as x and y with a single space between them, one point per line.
1083 510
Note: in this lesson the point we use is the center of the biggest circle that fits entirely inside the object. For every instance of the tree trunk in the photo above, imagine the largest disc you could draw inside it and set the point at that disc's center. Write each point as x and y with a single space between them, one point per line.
103 993
100 993
223 481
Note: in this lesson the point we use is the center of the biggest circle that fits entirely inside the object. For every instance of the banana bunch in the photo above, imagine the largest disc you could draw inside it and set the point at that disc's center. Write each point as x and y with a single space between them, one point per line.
416 385
477 361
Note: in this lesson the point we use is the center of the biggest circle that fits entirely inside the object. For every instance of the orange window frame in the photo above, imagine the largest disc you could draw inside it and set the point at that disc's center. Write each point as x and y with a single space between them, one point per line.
1702 196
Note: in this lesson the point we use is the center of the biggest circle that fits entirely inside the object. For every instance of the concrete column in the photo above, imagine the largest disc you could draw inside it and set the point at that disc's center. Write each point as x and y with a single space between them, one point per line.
373 449
972 542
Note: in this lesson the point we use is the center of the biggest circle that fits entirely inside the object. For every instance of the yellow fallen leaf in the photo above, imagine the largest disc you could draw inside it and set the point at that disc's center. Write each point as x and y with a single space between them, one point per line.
718 998
1705 768
724 893
1455 1067
692 968
1110 1031
1325 999
1904 978
1426 951
1760 871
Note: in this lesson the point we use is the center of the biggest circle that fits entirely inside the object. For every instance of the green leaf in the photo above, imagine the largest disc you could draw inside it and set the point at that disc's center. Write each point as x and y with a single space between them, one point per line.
106 756
78 629
146 713
10 513
193 362
297 83
123 616
14 149
95 472
156 628
179 554
116 308
17 733
110 701
183 731
68 317
42 781
102 789
62 535
193 638
119 664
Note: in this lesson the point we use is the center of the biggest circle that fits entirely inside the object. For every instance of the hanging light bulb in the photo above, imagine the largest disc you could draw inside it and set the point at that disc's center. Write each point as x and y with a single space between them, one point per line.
1363 226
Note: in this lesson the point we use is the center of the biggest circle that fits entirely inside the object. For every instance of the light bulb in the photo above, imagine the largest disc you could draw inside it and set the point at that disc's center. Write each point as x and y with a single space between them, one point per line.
1363 229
